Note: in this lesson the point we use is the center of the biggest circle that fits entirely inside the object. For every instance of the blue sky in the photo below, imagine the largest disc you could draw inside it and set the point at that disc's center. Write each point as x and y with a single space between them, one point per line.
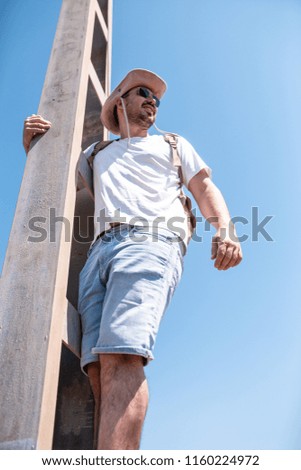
227 373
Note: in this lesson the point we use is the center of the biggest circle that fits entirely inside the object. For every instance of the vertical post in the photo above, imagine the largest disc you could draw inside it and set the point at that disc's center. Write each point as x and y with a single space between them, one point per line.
36 269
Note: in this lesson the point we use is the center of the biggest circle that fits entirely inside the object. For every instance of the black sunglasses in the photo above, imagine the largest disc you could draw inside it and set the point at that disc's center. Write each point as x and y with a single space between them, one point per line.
145 93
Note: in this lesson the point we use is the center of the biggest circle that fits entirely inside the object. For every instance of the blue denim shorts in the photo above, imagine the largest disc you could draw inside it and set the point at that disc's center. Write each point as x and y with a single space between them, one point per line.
125 287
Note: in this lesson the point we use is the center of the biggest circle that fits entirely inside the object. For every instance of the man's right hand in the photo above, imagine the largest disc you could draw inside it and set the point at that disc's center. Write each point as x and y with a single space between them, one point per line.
34 125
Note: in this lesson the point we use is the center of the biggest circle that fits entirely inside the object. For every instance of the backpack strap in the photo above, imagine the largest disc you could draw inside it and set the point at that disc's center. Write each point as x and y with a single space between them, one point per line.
172 139
97 148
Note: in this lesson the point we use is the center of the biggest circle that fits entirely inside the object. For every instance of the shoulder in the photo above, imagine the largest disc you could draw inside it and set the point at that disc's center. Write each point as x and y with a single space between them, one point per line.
92 151
184 142
88 151
179 139
173 139
186 148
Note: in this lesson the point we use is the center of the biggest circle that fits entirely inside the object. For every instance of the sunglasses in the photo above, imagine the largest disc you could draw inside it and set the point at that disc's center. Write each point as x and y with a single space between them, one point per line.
145 93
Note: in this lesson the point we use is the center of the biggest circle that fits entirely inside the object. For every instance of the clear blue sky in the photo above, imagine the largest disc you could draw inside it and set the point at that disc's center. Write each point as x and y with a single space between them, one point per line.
227 373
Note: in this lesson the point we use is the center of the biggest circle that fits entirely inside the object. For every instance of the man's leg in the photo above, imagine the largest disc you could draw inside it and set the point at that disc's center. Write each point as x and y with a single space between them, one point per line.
124 399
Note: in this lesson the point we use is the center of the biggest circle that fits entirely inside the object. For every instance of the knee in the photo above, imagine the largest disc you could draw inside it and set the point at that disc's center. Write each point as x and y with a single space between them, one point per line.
125 369
124 361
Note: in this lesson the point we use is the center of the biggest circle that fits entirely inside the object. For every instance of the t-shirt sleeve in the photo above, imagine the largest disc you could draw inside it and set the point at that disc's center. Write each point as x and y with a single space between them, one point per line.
192 163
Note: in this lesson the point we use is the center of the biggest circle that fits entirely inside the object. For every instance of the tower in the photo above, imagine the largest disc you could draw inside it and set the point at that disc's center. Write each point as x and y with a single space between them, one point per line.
45 399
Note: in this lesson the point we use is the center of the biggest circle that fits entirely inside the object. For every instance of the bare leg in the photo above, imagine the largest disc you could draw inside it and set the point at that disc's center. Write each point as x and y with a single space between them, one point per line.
93 371
124 399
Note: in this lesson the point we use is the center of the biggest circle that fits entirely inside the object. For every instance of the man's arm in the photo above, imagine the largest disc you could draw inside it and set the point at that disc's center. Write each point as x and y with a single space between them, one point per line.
226 249
34 125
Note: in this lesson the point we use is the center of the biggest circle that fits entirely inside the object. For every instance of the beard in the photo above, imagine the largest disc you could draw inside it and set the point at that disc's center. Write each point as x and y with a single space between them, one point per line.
143 118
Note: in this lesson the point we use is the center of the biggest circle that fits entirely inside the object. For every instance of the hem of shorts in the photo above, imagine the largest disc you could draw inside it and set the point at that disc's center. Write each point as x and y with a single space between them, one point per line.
122 350
117 350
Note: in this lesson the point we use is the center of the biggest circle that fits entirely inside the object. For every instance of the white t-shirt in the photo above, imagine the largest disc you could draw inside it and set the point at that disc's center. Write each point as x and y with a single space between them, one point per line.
137 183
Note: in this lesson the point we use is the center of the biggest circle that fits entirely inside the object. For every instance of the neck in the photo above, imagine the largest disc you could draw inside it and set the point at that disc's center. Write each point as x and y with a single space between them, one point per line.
135 131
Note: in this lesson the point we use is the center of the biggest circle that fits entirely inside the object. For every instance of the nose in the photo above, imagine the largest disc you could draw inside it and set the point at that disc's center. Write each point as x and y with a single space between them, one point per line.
151 100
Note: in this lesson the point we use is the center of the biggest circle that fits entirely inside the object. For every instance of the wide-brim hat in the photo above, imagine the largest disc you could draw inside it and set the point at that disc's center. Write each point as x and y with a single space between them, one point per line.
135 78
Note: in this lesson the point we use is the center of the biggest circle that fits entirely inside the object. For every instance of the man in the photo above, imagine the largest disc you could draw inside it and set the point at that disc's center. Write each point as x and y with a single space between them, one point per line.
135 261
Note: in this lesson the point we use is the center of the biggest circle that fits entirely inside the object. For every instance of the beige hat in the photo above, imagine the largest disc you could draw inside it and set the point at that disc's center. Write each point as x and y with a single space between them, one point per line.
135 78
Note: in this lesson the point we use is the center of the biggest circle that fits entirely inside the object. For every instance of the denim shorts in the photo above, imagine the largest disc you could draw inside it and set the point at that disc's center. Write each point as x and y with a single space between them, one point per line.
125 287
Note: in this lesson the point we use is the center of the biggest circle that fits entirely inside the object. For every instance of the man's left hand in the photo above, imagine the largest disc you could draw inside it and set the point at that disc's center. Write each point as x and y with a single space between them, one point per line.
226 250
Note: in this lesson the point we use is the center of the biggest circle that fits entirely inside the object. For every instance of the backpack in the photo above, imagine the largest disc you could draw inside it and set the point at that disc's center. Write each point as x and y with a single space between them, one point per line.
172 140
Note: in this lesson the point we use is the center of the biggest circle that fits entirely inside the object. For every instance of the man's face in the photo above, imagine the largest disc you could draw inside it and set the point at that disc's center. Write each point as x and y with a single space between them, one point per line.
141 109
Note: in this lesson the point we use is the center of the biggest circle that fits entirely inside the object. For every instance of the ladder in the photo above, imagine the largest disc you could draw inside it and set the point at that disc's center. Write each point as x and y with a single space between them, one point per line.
45 399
